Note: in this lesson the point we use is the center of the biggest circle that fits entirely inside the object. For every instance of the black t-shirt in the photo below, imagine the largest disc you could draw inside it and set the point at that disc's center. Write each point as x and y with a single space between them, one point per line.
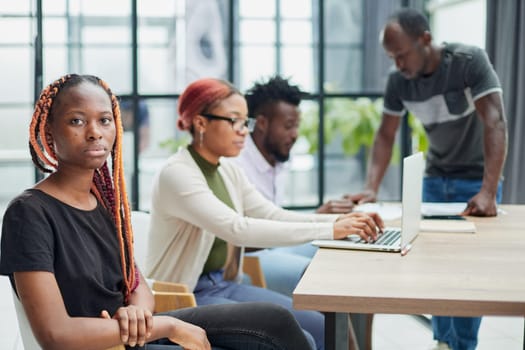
41 233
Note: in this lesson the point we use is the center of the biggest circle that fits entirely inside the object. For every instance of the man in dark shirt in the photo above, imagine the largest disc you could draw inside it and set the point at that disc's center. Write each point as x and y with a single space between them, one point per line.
455 92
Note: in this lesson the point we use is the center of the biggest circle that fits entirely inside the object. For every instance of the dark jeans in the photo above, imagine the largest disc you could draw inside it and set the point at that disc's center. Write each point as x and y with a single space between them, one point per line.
212 289
242 326
460 333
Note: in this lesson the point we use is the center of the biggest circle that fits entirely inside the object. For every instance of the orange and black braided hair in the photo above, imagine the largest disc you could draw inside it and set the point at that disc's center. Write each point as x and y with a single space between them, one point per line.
110 189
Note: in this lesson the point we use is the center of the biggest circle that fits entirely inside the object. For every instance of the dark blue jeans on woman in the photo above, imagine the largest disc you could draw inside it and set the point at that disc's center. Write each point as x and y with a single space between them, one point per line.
241 326
460 333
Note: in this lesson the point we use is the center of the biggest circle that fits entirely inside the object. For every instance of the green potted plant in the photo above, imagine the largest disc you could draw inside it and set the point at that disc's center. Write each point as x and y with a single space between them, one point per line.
353 123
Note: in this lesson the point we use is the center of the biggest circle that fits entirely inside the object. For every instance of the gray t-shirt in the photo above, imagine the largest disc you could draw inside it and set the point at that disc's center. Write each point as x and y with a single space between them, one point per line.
444 102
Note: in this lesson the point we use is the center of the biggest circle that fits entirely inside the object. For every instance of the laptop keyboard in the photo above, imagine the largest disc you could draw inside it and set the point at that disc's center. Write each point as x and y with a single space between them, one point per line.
388 237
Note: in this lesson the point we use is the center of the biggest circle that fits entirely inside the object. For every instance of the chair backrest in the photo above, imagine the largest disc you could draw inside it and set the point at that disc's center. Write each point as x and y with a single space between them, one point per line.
26 333
252 267
140 222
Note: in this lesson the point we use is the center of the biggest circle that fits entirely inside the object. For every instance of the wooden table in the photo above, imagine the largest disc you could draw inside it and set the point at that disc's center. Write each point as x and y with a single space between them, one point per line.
449 274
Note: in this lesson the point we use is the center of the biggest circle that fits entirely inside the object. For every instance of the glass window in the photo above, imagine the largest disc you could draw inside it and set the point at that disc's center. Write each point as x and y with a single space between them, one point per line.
14 127
95 39
55 7
16 97
180 41
155 34
16 175
301 179
250 8
349 128
16 8
19 30
174 52
448 22
256 62
159 53
257 31
343 22
164 140
57 66
343 70
154 64
163 127
297 32
302 74
16 169
343 46
106 34
100 8
296 8
160 8
54 31
111 64
302 169
19 75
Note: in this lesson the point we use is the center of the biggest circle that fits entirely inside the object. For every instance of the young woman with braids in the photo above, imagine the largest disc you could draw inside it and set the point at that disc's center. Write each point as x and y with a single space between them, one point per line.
67 244
203 208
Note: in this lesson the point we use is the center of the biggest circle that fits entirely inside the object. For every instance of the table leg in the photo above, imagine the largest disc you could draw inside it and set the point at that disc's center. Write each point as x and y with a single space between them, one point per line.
362 325
336 331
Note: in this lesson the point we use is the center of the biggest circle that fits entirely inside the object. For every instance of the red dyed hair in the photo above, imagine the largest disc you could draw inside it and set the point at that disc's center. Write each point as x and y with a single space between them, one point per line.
200 96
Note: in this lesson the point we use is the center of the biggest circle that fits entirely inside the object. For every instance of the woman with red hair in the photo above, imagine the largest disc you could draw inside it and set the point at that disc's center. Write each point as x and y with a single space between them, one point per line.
67 244
204 208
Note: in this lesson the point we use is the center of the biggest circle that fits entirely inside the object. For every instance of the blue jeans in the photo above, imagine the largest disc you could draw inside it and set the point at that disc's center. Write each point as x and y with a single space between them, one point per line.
460 333
213 289
241 326
283 267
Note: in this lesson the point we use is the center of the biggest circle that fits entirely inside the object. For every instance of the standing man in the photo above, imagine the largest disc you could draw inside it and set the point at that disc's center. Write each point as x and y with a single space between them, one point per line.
275 105
455 92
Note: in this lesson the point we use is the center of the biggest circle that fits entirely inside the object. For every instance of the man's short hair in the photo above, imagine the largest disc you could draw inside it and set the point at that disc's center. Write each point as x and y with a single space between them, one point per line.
413 22
276 89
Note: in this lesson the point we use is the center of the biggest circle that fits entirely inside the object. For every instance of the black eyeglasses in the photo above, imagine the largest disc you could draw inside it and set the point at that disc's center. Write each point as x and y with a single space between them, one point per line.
238 124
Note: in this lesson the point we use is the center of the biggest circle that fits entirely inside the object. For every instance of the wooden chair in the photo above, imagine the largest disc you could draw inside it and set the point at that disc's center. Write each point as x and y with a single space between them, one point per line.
171 296
252 267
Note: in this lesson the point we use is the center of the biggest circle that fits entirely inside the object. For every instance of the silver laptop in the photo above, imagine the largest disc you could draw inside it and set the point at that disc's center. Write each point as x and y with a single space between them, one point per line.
394 239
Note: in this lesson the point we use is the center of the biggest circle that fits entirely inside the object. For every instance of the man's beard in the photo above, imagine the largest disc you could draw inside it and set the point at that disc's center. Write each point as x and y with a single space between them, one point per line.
275 152
281 157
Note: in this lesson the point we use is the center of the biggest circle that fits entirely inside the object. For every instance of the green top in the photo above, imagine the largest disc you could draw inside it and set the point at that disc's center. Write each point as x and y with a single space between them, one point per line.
219 250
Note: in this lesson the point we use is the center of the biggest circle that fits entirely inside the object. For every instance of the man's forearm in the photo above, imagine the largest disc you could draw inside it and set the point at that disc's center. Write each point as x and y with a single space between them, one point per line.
490 109
495 151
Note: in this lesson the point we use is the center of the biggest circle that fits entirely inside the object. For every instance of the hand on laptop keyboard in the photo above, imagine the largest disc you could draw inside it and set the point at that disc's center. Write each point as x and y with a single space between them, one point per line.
365 225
